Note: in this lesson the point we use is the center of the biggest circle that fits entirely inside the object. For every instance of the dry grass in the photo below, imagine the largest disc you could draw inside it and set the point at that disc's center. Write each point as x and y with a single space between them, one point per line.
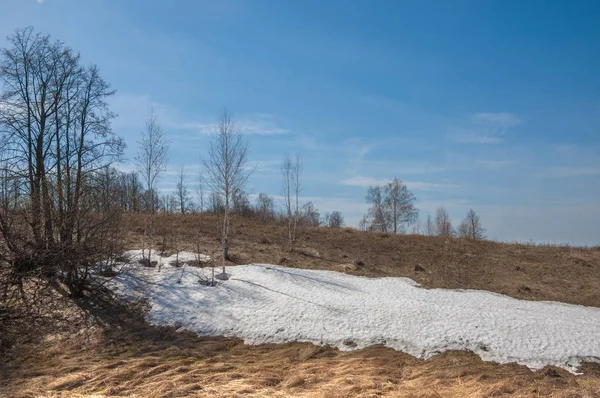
130 358
561 273
107 349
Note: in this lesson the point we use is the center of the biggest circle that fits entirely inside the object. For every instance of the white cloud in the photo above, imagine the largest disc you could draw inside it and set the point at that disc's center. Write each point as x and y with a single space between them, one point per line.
40 1
484 128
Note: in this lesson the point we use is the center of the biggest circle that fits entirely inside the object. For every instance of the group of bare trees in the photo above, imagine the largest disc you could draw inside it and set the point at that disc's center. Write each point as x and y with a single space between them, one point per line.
392 210
56 150
441 225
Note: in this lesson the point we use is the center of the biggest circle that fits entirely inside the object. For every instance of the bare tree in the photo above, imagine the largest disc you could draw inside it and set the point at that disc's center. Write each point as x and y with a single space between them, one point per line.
399 202
200 191
265 207
429 226
378 214
215 204
471 227
227 170
290 172
182 191
151 159
309 215
417 228
443 225
335 219
363 224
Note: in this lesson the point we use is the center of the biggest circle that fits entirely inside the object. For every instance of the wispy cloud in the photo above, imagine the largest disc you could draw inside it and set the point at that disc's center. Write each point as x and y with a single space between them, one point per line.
567 172
484 128
255 124
498 119
365 182
133 110
466 136
428 186
495 164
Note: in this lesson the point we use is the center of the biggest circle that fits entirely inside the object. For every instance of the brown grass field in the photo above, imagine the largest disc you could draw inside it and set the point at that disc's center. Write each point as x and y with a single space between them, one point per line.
105 349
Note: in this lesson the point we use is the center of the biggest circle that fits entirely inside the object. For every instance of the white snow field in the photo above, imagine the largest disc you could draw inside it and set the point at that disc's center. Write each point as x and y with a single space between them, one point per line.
272 304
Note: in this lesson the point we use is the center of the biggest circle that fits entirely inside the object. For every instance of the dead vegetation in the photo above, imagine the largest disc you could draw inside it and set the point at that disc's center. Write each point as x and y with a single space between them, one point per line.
110 351
106 349
561 273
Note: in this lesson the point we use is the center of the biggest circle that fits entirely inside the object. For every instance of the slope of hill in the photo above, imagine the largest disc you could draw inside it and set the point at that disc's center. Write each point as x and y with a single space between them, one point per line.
543 272
103 348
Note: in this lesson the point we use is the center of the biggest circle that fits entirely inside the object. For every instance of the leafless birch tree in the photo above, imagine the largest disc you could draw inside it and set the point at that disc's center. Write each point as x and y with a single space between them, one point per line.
291 185
227 170
152 158
200 191
182 191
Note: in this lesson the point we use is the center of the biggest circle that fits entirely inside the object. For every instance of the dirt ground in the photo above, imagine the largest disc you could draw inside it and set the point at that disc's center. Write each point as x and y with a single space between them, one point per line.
104 348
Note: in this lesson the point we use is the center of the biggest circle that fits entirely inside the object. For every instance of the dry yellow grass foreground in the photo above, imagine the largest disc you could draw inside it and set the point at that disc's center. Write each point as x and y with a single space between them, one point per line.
117 354
105 349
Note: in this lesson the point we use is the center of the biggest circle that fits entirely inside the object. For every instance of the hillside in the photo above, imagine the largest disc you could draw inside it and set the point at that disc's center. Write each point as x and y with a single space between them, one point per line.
103 348
560 273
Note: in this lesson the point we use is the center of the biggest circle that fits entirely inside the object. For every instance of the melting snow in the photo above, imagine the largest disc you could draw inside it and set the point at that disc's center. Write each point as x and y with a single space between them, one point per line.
273 304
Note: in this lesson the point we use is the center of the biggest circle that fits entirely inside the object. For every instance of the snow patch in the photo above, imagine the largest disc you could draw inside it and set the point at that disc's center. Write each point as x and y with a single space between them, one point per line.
263 303
184 257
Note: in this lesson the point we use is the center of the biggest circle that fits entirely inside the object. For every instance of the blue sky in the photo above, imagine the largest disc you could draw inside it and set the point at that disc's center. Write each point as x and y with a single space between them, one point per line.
493 105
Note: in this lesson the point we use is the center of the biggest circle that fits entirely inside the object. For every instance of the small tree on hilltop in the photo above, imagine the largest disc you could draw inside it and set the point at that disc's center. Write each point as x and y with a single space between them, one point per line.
443 225
335 220
378 215
471 227
399 202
